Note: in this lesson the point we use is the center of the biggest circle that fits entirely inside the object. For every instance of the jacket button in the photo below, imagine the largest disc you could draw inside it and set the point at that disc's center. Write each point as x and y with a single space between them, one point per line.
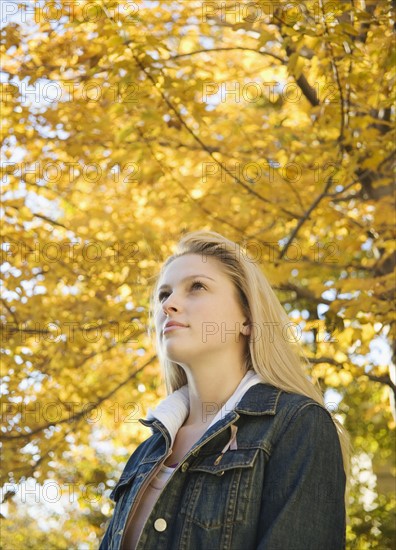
184 466
160 524
220 473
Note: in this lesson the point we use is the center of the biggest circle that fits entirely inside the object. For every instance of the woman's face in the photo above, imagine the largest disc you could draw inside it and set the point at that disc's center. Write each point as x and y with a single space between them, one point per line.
195 292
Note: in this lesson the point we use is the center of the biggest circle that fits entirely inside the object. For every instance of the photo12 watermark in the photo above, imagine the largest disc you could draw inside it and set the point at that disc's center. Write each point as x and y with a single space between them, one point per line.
55 412
289 13
73 11
290 332
263 252
255 92
267 171
51 172
52 252
91 332
51 92
52 492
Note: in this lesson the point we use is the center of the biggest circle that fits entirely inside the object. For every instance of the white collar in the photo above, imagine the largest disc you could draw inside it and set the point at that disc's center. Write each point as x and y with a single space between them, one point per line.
174 409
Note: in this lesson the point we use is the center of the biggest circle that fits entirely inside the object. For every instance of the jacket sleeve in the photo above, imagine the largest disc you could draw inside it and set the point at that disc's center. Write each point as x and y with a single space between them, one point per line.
302 506
105 542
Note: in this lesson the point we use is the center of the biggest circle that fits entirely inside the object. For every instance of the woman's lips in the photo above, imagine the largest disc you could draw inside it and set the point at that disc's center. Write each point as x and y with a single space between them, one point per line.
173 327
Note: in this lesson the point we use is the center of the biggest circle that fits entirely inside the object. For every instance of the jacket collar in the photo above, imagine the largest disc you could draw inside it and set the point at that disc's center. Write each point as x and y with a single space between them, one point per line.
261 399
252 396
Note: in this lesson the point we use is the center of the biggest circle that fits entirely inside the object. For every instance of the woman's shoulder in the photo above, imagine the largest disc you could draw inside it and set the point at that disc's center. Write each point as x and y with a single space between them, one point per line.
272 416
264 396
299 413
288 408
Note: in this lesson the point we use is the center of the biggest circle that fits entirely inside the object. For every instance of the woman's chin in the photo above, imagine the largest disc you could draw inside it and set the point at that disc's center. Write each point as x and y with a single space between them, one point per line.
176 353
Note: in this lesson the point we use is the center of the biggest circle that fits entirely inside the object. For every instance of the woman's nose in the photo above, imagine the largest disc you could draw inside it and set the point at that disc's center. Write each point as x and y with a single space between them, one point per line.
170 304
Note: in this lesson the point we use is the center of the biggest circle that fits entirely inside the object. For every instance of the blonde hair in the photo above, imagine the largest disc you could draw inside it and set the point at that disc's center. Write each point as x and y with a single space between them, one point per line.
278 364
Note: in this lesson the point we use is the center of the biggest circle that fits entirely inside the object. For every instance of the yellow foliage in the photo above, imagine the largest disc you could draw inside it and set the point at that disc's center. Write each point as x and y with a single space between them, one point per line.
269 136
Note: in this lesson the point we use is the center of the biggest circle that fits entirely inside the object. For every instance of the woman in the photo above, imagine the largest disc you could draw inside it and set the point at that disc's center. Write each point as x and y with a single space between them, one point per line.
243 454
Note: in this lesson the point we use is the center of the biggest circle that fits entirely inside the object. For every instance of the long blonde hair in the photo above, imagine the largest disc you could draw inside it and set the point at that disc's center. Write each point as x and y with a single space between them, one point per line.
278 364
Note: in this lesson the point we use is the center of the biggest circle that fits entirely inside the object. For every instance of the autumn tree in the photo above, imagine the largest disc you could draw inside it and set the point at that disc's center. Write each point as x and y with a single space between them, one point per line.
126 124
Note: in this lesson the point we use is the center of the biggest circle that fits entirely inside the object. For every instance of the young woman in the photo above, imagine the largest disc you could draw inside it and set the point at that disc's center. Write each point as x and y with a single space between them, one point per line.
243 454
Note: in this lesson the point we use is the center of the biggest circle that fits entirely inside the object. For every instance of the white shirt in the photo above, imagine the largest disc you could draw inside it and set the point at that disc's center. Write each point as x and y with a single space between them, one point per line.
172 412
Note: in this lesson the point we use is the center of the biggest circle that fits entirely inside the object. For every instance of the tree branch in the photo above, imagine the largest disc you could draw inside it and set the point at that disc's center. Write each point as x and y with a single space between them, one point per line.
304 218
241 48
198 139
385 379
85 410
303 293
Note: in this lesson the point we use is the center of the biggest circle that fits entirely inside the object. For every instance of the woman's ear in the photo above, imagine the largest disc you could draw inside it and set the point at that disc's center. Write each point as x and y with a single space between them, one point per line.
246 328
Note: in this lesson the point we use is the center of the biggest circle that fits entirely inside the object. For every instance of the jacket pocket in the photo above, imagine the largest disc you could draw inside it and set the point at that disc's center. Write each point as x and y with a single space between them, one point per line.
220 491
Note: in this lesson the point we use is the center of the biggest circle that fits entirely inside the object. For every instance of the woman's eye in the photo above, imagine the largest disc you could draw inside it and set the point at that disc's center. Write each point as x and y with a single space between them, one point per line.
162 295
197 283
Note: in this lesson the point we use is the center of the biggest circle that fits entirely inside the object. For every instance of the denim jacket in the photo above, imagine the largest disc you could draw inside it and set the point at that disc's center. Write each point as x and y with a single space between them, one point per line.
282 488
